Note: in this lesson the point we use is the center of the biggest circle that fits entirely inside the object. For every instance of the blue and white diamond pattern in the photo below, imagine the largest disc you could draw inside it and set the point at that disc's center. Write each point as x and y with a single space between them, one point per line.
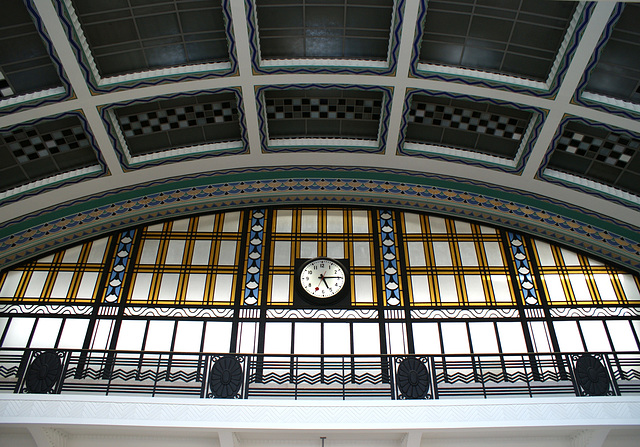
114 286
389 258
523 269
254 260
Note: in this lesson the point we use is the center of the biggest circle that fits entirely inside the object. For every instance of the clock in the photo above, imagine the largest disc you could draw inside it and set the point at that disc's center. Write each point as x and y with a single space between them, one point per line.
322 280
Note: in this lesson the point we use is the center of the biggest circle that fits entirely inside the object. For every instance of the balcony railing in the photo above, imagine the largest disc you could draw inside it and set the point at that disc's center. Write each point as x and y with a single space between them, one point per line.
208 375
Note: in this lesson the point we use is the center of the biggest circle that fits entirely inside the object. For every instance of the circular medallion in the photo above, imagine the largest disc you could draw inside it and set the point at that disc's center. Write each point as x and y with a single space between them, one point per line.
225 378
323 280
43 373
412 379
592 376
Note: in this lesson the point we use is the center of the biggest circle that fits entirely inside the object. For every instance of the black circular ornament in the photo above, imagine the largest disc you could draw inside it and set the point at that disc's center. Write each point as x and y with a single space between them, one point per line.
412 379
592 376
43 373
225 377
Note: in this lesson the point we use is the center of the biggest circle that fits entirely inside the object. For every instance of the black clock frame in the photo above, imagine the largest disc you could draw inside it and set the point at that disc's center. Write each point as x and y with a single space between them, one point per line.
301 293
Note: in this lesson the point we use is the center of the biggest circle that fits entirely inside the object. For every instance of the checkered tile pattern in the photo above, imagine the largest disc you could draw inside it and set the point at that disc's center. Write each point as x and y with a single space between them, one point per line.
5 88
616 150
332 108
178 118
466 119
27 143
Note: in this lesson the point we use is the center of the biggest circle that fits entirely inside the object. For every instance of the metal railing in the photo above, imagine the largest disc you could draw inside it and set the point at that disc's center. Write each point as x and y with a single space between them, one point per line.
208 375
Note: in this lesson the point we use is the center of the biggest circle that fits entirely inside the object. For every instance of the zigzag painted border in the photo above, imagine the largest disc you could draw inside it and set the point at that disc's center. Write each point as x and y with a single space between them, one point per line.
387 93
550 92
120 151
547 157
390 69
538 114
77 223
32 103
40 189
93 83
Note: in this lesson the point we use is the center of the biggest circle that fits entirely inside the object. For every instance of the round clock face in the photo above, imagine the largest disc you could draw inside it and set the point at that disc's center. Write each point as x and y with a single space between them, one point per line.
322 278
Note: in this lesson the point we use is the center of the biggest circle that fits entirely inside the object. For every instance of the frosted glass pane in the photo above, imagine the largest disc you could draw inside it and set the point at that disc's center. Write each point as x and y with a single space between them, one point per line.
231 222
309 222
629 286
361 255
568 336
307 338
605 288
416 254
159 336
595 336
141 286
283 221
412 223
149 251
45 260
621 335
360 221
483 338
87 285
335 250
448 291
218 336
175 252
36 283
493 253
468 254
247 333
3 324
280 289
97 251
72 255
420 289
277 338
61 285
540 336
223 287
442 254
487 230
168 287
102 334
205 223
334 221
544 253
363 288
437 224
501 291
475 292
11 282
366 338
282 253
511 337
554 287
188 336
594 262
463 227
180 225
18 333
308 250
227 253
396 338
156 227
426 338
337 338
131 335
201 253
46 333
455 339
580 289
73 333
195 287
569 257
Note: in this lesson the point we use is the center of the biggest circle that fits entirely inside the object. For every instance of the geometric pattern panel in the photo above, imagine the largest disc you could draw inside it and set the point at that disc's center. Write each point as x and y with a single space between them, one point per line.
516 38
599 154
125 36
179 122
322 113
485 128
338 29
37 151
617 70
25 64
